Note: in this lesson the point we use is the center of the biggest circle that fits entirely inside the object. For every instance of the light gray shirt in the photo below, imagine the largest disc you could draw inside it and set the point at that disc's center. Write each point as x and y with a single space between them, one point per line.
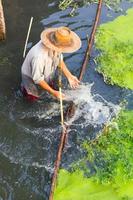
40 63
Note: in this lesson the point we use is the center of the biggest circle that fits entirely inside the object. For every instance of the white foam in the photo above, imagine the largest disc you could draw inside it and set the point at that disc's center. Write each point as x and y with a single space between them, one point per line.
93 109
18 158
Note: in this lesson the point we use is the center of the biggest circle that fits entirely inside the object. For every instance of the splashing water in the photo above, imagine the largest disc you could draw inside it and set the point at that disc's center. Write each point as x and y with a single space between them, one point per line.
41 125
92 109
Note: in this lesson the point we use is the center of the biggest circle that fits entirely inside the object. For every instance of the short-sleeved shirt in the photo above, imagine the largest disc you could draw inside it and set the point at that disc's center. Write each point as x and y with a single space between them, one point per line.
39 64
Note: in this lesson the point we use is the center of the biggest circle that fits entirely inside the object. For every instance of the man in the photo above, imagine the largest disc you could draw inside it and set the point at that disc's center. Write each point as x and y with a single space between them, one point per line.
42 60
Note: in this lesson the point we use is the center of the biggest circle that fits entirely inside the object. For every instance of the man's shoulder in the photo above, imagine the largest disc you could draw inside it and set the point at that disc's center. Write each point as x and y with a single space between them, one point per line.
38 50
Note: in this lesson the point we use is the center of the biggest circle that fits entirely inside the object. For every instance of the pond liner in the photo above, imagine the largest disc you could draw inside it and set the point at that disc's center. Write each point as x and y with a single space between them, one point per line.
2 23
71 108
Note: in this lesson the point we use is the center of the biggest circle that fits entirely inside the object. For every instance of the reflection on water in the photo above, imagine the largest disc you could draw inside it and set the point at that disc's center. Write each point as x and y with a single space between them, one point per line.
30 132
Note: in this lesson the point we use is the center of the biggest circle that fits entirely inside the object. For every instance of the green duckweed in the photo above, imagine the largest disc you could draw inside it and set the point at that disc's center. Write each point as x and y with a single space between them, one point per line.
74 185
111 161
111 154
115 41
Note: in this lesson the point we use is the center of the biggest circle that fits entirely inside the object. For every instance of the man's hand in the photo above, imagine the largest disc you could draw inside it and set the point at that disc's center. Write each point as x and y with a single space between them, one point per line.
56 94
73 81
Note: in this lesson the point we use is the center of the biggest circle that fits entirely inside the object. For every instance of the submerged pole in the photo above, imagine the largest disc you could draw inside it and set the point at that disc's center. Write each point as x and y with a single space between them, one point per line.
71 107
2 23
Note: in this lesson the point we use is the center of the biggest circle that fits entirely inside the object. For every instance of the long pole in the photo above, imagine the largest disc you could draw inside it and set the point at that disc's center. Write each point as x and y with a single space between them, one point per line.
71 107
57 163
27 38
91 40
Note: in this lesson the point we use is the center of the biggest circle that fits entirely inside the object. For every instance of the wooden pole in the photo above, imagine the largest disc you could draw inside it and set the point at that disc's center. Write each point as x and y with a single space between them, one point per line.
57 164
2 23
71 107
91 40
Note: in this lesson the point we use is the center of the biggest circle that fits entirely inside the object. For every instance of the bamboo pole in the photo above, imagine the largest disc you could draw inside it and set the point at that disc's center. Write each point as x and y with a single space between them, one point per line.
71 107
60 91
27 38
2 23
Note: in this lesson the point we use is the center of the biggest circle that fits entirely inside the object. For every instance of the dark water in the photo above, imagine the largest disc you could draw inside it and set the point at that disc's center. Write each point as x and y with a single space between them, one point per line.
29 133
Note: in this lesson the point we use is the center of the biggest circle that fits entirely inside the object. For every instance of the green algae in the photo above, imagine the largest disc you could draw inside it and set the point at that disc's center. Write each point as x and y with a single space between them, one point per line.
115 41
112 152
74 185
111 160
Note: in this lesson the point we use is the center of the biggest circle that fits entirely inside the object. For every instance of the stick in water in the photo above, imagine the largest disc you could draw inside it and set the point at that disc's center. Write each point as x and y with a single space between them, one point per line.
27 38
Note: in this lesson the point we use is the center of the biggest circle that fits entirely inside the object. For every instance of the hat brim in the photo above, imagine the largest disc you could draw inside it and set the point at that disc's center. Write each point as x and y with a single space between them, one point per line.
46 40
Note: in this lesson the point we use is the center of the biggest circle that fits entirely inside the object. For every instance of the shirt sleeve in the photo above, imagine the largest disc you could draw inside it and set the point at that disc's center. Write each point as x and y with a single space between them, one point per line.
37 69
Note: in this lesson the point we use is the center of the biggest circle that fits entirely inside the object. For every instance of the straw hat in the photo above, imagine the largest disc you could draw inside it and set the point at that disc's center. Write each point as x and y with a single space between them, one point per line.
61 39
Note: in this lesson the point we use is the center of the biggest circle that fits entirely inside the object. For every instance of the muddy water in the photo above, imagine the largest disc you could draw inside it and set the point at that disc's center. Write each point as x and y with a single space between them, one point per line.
29 133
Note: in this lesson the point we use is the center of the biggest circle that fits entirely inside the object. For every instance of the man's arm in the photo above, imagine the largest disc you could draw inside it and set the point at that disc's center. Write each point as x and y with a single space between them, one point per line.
38 77
43 84
73 81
